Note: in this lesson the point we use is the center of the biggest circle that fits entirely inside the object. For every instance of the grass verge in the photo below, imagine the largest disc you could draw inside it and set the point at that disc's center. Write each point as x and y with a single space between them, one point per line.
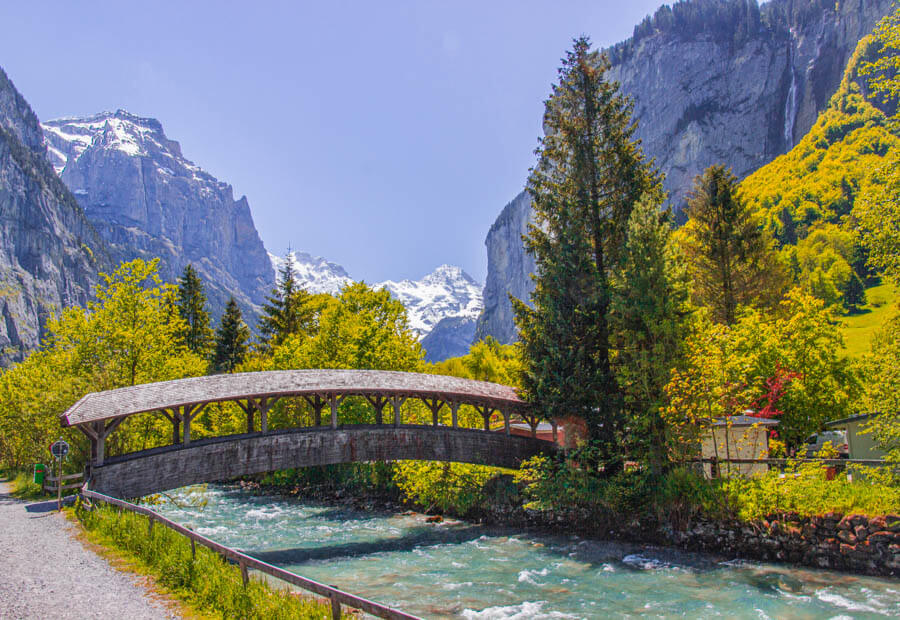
206 583
859 328
24 487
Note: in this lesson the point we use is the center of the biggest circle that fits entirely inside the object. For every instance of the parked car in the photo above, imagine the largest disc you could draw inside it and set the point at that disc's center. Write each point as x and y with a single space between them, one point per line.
815 442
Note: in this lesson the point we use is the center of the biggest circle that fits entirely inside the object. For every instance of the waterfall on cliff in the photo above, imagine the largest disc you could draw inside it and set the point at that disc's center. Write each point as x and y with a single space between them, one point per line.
790 105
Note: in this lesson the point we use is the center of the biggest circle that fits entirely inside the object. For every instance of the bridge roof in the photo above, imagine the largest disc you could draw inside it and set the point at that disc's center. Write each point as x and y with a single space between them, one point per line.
126 401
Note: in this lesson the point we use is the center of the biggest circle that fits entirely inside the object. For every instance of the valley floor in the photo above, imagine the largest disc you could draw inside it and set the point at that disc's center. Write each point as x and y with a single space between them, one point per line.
46 572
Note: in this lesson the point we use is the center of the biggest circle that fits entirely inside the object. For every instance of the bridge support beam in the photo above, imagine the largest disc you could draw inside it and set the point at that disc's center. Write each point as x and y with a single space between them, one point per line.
454 414
335 402
97 432
434 405
378 402
505 414
317 403
396 403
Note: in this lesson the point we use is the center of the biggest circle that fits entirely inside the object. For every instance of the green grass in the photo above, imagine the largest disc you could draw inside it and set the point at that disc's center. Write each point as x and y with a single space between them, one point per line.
859 328
24 486
205 583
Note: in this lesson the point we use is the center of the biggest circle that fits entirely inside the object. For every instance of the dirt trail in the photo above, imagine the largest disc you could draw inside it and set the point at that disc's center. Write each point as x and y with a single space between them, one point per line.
46 572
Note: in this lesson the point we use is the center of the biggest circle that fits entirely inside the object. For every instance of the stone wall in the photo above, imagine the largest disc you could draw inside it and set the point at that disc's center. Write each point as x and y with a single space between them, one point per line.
854 543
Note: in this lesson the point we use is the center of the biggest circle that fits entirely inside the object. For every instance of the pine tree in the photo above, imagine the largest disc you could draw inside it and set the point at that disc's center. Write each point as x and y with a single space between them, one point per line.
731 259
590 173
288 310
650 311
231 339
191 303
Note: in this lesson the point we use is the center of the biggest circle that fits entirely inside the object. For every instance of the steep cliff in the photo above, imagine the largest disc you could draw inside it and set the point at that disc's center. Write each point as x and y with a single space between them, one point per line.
713 81
147 200
49 252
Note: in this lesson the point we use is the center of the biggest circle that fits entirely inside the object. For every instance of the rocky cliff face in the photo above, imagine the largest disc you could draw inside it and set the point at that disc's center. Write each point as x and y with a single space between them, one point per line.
146 200
509 270
713 81
49 252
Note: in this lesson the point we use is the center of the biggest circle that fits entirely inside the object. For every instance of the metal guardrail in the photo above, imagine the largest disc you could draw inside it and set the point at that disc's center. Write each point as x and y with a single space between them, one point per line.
246 562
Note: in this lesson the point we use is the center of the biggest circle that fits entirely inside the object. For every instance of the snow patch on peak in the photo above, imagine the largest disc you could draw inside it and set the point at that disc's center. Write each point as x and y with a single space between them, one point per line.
120 131
316 274
448 291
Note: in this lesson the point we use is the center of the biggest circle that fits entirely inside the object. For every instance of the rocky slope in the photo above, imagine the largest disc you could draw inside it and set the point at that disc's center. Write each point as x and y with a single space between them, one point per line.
49 252
713 81
146 200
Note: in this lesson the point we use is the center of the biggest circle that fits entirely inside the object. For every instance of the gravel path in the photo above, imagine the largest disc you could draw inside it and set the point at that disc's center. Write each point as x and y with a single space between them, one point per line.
46 572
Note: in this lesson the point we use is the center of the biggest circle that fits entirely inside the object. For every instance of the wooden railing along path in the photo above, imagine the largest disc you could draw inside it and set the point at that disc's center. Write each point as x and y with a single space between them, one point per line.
51 483
336 596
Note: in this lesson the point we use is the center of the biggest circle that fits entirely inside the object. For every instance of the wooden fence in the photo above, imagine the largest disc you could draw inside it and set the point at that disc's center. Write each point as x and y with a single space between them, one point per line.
51 482
785 462
336 596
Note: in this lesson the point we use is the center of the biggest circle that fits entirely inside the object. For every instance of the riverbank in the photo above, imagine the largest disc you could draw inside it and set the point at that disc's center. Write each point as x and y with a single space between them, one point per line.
853 543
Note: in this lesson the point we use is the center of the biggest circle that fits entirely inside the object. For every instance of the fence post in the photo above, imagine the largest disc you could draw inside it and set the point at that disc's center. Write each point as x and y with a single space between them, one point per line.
335 607
149 526
244 576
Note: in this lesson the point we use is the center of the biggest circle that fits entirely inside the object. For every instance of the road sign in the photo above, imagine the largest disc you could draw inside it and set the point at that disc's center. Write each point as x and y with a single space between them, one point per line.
59 449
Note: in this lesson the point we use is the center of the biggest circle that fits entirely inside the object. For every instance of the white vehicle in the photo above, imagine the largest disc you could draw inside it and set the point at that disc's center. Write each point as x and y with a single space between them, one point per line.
815 442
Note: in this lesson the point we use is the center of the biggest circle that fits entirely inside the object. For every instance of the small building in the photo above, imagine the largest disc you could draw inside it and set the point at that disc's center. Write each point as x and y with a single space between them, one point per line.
736 437
861 445
545 431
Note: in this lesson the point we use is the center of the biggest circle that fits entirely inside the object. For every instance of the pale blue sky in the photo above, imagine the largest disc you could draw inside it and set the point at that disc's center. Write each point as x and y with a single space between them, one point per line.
385 136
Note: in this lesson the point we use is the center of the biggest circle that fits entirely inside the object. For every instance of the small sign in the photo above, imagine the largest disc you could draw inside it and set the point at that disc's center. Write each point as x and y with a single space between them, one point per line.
59 449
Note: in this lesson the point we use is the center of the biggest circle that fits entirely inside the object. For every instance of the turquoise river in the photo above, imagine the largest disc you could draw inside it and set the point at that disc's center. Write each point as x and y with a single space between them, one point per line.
459 570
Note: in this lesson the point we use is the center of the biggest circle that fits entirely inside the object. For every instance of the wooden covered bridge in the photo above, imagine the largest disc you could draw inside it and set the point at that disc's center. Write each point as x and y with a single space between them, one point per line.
185 462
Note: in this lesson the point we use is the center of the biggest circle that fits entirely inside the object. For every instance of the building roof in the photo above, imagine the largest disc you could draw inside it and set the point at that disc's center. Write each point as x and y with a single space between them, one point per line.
126 401
744 420
854 418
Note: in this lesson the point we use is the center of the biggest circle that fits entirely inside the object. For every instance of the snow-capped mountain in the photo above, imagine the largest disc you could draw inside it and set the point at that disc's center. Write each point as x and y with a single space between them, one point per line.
446 292
317 274
147 200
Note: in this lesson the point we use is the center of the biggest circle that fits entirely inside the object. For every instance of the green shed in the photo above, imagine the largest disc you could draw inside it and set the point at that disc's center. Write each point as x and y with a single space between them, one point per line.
861 445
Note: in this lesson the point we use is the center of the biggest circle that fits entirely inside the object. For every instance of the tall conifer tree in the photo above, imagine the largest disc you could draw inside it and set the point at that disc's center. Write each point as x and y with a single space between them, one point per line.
288 310
589 175
231 339
731 258
191 303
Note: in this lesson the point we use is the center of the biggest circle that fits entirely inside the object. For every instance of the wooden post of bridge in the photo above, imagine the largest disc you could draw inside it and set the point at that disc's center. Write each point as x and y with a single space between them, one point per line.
335 402
396 403
454 414
97 433
434 405
378 402
505 413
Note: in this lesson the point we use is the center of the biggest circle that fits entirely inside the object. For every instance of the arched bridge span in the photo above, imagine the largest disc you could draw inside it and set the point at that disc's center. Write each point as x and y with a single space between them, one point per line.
98 414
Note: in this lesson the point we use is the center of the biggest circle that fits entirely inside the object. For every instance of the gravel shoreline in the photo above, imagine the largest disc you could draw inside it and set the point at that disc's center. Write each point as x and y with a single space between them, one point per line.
47 572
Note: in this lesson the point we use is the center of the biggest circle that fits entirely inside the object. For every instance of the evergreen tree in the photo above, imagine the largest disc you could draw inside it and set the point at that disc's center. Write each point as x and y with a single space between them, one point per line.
590 173
650 310
231 339
730 257
191 303
288 311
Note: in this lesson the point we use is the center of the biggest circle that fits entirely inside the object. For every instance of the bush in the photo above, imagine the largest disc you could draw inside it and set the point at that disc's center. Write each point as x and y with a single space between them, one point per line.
805 490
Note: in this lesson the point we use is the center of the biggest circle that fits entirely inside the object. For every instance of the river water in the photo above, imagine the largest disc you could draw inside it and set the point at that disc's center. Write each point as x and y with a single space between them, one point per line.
459 570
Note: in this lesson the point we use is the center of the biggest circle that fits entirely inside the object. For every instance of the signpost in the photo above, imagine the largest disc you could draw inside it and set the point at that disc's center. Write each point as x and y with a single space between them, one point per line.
59 449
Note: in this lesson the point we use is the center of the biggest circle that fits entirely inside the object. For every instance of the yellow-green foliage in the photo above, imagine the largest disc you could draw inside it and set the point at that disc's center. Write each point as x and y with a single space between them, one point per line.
726 370
805 490
206 582
838 159
129 334
859 328
882 368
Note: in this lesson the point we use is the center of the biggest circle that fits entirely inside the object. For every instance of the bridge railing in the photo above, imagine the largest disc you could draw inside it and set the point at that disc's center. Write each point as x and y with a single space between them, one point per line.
334 595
